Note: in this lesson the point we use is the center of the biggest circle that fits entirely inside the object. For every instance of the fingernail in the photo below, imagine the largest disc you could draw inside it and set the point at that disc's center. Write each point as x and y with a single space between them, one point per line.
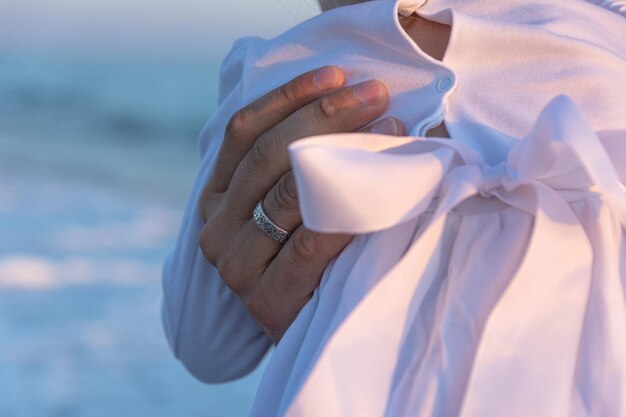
326 78
369 93
387 126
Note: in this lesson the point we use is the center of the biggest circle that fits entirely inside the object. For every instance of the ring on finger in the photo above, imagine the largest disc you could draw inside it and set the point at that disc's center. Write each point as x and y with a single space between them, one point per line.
268 227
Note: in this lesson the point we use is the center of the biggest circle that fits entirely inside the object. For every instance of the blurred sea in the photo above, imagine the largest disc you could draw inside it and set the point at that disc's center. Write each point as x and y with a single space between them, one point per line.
97 157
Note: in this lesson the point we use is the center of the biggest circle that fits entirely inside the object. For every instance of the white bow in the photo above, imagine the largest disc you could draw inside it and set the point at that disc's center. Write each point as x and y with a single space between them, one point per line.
360 183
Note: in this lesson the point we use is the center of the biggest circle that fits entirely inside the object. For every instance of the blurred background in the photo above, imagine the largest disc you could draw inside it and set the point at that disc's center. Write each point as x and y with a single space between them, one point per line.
101 102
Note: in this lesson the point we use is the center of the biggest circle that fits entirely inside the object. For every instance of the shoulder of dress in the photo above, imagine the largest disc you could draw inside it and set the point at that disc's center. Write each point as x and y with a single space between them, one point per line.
232 67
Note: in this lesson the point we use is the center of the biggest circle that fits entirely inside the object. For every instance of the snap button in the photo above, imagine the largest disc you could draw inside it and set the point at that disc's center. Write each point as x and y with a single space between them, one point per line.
444 84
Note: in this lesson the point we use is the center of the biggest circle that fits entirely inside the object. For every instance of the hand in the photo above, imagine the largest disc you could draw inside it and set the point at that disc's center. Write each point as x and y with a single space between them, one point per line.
273 279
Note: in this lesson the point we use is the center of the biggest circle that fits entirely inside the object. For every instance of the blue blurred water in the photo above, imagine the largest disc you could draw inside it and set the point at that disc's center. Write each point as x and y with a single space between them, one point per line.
118 118
97 156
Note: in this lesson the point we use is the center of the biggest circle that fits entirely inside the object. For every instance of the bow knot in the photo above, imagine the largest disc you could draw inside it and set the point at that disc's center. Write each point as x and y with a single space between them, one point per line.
493 177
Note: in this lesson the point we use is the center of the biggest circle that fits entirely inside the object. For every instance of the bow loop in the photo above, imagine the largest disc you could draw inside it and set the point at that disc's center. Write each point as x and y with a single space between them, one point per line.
359 183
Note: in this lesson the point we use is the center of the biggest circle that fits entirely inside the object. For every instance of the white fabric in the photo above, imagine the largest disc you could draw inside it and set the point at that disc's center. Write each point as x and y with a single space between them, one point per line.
617 6
488 276
524 345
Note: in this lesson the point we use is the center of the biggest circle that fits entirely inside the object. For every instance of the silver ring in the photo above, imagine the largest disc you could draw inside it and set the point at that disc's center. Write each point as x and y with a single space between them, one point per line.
270 228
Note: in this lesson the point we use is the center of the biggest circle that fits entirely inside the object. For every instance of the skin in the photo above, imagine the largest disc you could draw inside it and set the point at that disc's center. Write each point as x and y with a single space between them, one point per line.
275 280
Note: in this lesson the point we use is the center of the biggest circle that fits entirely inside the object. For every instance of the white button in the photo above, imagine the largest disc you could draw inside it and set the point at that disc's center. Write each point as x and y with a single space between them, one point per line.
444 84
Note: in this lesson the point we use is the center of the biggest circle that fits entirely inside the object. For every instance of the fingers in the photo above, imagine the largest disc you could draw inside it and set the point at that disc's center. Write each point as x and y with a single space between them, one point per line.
281 203
290 279
247 124
298 267
346 110
255 248
386 126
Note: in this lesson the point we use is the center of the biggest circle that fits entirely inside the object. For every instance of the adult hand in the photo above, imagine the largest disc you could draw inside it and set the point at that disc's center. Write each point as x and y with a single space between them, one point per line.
274 279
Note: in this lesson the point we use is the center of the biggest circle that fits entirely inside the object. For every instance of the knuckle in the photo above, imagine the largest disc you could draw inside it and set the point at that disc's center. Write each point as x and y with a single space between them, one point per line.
288 92
216 244
295 90
285 195
236 125
228 269
327 107
263 151
207 244
305 246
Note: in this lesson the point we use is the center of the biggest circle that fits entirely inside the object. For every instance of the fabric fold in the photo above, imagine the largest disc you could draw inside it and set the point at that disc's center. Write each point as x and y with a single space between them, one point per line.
360 183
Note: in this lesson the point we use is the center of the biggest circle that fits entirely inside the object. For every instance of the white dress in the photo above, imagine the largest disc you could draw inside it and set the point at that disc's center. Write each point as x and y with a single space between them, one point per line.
488 277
